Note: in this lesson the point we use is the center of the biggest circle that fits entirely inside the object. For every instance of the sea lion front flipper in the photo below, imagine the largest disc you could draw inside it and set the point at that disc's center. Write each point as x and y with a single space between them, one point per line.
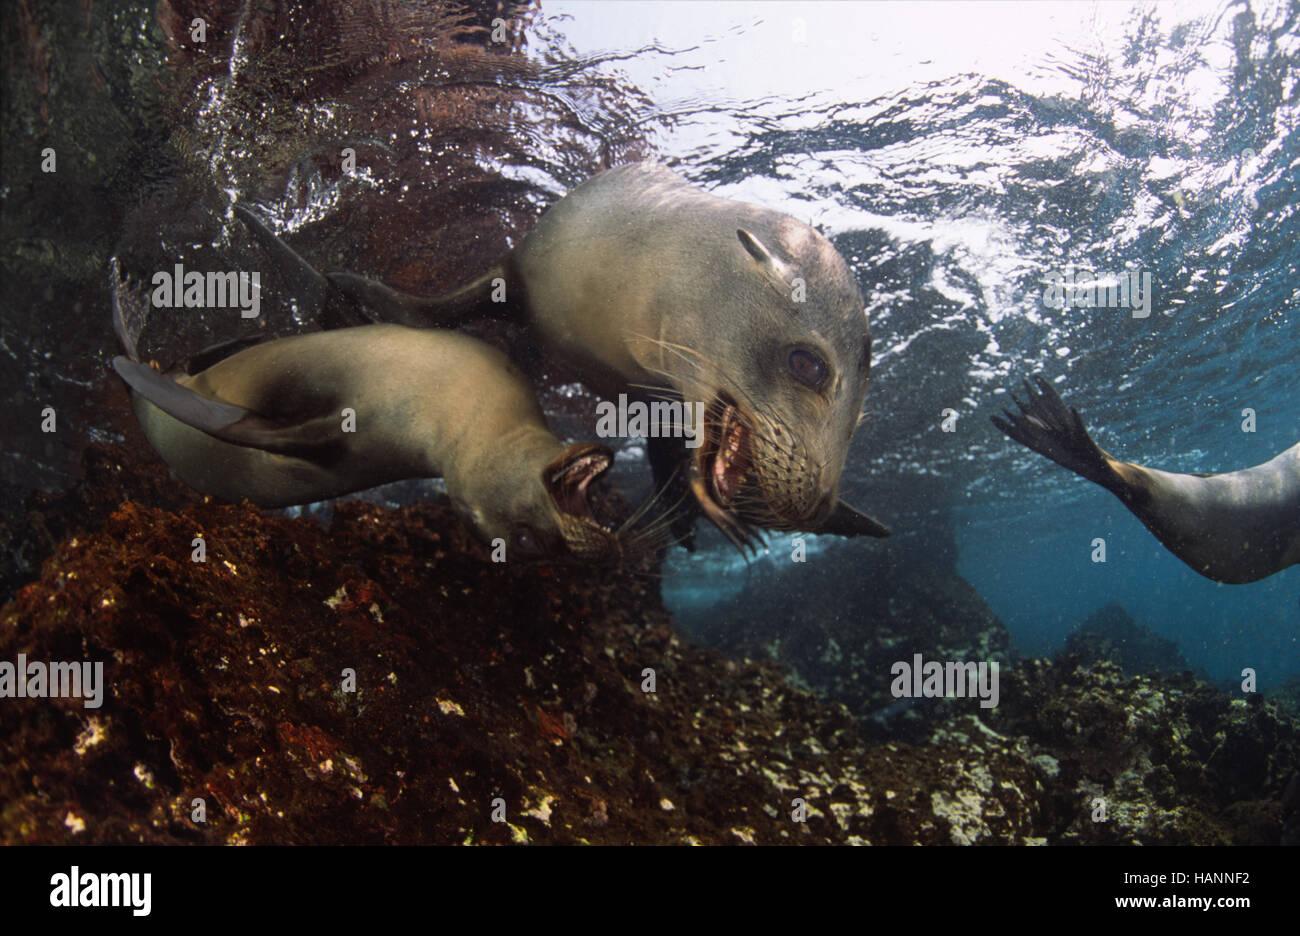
847 520
341 300
670 478
180 402
227 422
1053 429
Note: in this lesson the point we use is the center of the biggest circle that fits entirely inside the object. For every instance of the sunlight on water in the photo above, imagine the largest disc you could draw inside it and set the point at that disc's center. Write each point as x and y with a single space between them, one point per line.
967 158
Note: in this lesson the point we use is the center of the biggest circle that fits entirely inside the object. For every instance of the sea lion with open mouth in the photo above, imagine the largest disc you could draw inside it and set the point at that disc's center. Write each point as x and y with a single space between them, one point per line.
1234 528
306 418
645 284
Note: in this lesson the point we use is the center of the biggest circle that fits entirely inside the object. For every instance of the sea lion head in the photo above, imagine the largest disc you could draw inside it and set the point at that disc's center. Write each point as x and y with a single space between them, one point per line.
781 364
545 514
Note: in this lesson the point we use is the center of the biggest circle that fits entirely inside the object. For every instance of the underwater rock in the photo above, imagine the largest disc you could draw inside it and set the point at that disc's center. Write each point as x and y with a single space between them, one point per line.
1152 759
477 681
839 622
474 681
34 523
1110 633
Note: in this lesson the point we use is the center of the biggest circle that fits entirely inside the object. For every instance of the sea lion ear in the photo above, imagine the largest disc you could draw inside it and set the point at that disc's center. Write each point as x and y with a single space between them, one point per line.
846 520
755 247
777 273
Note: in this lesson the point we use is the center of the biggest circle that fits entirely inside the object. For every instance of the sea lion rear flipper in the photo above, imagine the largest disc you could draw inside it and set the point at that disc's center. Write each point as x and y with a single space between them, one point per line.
341 300
847 520
315 293
177 401
385 304
1053 429
225 421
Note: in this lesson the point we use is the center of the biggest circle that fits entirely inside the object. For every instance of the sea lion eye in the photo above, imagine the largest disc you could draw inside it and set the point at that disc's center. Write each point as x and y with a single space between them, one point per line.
525 541
808 368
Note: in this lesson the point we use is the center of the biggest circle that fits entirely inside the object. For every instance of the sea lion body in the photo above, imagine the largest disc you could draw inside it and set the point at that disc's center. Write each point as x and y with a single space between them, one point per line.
1235 528
643 283
310 417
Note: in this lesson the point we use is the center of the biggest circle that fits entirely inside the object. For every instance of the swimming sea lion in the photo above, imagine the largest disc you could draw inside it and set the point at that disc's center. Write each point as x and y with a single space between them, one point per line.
1234 528
643 283
310 417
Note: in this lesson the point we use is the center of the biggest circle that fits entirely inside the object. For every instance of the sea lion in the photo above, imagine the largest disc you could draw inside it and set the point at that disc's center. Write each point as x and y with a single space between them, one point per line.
310 417
645 284
1233 528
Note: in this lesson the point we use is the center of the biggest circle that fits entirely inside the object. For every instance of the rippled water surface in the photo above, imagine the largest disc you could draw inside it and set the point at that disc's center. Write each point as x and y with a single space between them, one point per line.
961 156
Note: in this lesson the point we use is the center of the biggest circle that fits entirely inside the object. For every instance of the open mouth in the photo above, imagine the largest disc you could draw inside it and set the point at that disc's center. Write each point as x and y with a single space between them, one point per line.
720 469
726 451
568 477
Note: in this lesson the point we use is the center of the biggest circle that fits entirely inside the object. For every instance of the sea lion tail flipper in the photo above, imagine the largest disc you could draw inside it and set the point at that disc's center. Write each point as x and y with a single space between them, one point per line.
226 421
1052 429
385 304
847 520
313 291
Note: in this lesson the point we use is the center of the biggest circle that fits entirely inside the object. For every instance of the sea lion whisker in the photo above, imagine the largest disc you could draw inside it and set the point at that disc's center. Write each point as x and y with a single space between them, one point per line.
647 543
650 539
629 525
698 359
663 520
718 373
656 391
775 443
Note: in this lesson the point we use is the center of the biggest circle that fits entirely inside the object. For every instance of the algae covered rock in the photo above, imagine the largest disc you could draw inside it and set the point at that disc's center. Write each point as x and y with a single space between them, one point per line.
385 682
1110 633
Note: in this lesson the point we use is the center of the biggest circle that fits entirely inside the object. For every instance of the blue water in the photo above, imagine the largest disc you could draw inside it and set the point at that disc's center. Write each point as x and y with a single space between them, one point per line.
961 154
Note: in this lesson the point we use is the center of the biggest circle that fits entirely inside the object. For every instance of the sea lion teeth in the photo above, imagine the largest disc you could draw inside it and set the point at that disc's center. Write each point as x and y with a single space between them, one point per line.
569 481
729 462
1237 527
